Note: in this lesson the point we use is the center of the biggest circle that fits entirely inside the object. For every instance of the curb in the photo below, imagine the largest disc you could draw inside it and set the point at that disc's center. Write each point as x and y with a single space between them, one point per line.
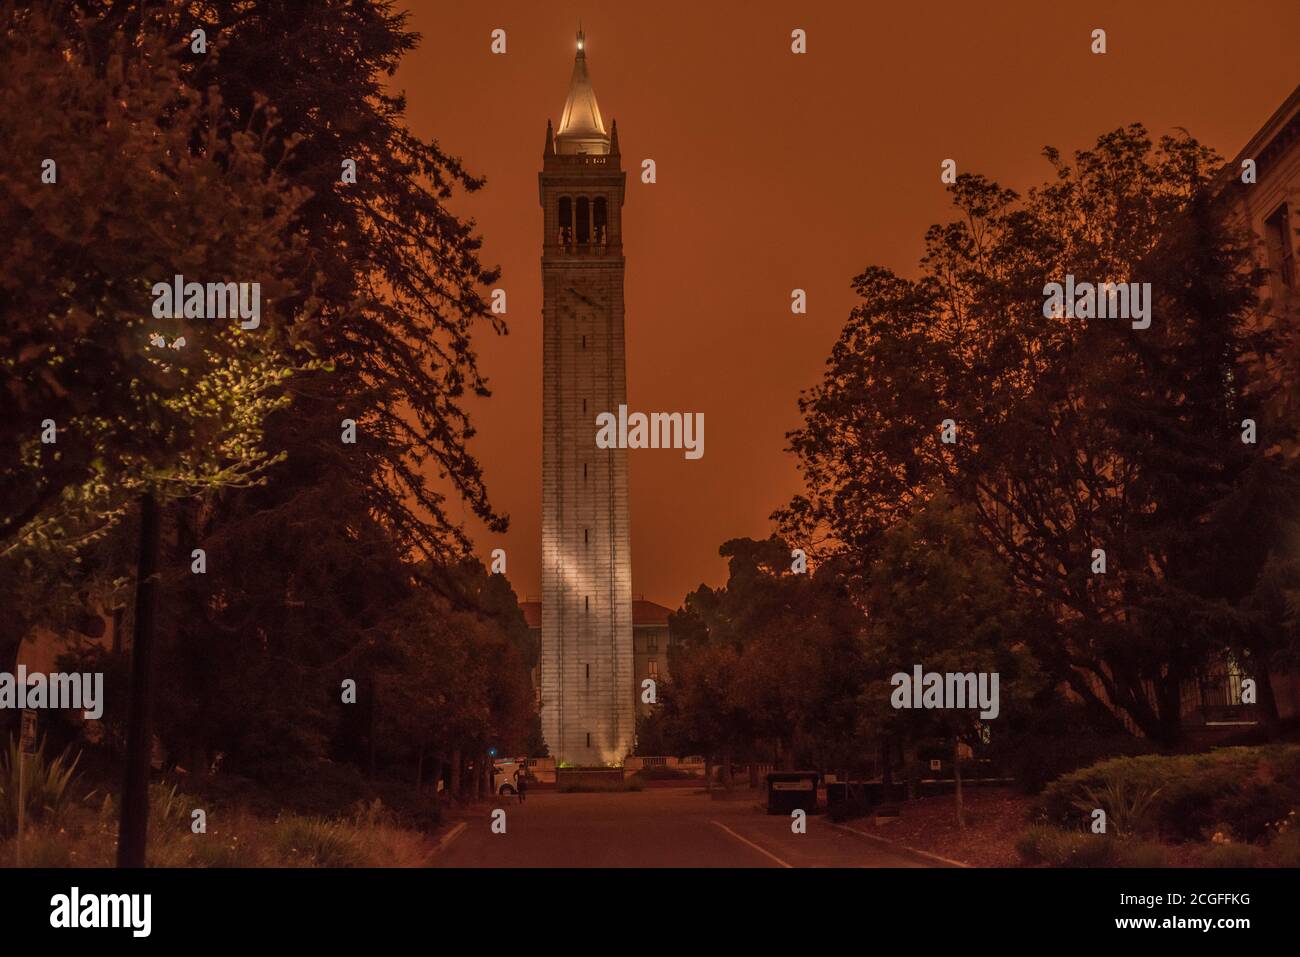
447 838
948 861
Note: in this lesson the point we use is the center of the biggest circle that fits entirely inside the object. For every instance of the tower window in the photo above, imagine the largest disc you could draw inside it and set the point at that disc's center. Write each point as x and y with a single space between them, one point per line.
584 406
600 232
584 471
586 602
585 539
584 342
565 211
588 739
652 668
584 220
588 670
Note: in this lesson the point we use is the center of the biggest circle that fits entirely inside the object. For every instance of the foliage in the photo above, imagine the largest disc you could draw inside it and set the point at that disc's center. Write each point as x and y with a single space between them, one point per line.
315 842
46 786
138 201
1072 433
770 661
1243 788
1128 808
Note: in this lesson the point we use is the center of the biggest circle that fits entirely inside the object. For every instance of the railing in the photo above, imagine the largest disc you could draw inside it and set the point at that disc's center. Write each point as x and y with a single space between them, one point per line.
582 249
579 159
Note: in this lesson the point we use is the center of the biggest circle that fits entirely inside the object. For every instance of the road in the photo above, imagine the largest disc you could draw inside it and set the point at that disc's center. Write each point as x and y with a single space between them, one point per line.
676 827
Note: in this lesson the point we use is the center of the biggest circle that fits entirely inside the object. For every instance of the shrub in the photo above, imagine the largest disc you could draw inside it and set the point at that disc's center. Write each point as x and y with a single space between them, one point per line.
1243 788
1059 848
1128 807
1284 851
1232 854
46 787
315 842
1142 854
420 810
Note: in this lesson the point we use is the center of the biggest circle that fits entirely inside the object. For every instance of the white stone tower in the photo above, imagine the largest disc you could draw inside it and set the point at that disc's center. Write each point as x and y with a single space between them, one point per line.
586 660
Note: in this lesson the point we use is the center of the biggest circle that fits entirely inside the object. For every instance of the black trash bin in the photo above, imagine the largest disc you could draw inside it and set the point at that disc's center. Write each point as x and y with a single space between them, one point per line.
792 791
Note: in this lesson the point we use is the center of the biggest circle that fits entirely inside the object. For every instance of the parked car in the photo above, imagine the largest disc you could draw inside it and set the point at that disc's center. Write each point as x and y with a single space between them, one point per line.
503 776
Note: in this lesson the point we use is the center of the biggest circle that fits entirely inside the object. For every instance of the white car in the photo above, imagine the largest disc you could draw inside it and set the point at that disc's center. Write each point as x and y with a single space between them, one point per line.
503 777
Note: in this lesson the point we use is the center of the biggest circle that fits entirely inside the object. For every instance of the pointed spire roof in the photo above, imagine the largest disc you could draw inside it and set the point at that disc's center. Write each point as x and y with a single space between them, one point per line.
581 128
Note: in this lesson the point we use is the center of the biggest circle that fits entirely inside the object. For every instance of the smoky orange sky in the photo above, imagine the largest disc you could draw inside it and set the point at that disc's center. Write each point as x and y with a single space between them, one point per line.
778 171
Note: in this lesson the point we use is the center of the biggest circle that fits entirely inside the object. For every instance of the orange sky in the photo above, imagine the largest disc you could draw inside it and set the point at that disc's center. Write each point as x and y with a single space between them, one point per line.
778 171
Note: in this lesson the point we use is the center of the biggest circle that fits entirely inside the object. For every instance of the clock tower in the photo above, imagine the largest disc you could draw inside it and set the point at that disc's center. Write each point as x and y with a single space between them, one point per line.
586 676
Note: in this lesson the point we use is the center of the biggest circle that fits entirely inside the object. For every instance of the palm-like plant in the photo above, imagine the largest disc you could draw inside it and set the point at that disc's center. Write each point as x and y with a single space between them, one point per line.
1128 808
46 786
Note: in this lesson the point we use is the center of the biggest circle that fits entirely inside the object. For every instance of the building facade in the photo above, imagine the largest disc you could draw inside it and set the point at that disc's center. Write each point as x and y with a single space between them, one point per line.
586 666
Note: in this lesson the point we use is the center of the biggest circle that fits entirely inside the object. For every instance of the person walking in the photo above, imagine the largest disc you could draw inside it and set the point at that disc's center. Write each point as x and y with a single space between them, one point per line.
521 781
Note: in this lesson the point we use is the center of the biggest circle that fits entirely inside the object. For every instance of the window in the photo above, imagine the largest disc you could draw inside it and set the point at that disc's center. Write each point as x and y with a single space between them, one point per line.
600 234
566 220
584 220
584 342
585 539
587 602
584 406
652 668
1281 245
588 739
588 670
584 471
652 643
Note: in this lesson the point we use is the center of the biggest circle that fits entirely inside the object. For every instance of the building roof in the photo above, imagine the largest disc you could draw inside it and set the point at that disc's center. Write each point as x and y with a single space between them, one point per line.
643 613
1274 138
581 128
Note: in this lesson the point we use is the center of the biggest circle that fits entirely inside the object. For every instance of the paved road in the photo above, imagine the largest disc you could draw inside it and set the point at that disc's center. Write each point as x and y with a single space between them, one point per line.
653 828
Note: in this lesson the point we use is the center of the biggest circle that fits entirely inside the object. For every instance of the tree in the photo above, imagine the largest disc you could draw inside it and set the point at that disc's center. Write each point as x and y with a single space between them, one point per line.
402 289
1071 434
135 201
773 658
940 600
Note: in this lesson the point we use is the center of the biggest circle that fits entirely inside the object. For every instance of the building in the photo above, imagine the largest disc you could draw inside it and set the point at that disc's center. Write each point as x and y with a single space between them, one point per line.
1268 206
586 666
649 645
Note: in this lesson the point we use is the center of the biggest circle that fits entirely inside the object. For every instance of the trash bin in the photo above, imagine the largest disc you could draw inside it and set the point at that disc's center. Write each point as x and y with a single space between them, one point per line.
791 791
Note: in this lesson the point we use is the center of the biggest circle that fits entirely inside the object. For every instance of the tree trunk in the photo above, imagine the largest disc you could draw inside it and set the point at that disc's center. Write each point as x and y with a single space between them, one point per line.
753 775
455 774
419 769
438 768
909 769
133 827
726 770
370 732
956 774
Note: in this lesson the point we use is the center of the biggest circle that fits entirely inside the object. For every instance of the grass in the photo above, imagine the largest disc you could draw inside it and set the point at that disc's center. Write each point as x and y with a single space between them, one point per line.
86 836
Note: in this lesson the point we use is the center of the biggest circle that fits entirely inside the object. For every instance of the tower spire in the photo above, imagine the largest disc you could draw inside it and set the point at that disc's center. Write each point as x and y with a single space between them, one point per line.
581 128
